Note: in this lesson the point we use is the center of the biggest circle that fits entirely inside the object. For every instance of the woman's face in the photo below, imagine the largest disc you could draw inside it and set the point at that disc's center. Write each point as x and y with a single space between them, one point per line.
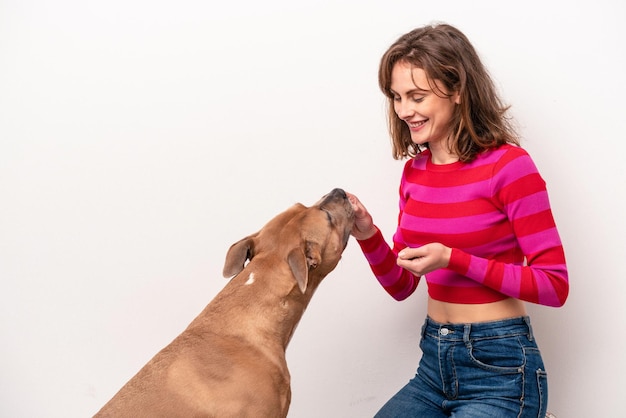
426 114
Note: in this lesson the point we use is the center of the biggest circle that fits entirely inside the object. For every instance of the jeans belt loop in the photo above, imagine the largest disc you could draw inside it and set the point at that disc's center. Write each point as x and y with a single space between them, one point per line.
467 329
530 328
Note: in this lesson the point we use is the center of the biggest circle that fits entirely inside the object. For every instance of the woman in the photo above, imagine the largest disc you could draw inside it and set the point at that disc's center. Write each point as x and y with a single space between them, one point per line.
475 222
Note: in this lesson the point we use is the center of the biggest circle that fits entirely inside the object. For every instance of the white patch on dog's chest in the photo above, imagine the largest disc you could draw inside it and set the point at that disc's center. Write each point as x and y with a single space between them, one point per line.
250 279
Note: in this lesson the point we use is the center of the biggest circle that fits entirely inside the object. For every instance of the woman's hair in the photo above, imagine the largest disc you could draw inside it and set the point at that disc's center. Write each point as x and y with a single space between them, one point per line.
445 54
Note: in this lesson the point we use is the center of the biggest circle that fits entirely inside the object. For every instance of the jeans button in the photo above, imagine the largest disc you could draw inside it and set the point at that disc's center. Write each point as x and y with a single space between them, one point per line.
444 331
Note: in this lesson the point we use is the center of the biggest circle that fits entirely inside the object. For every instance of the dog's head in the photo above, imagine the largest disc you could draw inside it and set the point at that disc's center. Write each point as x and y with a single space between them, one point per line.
310 240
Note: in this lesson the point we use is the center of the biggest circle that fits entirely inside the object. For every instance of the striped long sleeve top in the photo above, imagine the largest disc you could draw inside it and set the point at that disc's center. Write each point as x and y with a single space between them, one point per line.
494 213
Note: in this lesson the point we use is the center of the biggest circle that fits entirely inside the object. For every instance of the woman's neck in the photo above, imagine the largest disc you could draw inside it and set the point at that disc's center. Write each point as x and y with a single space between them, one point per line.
440 154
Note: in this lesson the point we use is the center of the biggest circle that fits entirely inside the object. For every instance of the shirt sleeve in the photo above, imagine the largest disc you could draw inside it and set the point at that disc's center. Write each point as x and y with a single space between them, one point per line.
398 282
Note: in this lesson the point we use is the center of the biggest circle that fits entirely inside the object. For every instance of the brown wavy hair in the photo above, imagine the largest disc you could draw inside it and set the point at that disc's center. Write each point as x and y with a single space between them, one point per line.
479 122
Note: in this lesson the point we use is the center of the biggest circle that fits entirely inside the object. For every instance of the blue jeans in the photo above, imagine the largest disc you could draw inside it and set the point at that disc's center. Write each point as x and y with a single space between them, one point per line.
486 369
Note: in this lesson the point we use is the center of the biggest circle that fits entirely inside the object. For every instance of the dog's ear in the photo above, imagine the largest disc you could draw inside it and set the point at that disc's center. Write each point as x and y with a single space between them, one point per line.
300 262
237 255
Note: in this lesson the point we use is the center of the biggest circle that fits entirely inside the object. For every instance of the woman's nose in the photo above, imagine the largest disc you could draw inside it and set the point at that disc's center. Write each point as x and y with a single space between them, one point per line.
403 109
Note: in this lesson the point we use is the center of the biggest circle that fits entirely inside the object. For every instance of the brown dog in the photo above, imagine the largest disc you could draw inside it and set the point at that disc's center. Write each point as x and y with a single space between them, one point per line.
230 361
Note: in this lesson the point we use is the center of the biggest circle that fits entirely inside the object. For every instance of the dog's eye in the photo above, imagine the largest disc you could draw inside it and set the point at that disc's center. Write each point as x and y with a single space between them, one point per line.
328 216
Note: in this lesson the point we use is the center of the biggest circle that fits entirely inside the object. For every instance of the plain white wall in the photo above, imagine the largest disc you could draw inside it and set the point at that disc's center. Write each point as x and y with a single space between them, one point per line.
139 139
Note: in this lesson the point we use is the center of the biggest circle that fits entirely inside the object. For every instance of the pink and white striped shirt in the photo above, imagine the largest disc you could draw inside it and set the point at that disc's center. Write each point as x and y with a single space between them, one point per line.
494 213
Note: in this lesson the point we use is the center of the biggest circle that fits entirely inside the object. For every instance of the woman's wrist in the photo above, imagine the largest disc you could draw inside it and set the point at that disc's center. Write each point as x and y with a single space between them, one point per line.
365 235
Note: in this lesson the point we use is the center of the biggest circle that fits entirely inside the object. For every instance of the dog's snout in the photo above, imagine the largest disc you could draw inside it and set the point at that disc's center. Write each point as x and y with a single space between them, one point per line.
337 192
335 195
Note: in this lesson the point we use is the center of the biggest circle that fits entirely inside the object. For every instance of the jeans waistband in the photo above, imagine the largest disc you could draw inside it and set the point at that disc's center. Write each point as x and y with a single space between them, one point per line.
479 330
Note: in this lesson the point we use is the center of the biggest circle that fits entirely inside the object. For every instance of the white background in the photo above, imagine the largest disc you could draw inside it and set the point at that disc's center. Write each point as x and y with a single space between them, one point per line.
139 139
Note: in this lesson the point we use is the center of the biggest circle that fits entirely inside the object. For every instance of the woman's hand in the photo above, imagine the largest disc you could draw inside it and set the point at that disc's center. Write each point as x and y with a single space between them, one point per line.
424 259
363 224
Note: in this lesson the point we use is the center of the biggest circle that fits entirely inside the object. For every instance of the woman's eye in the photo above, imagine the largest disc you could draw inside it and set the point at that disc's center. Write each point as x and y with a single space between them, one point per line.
418 99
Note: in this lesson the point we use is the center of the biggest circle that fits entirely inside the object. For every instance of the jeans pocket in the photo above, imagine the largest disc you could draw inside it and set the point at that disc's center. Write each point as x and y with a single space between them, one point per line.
498 354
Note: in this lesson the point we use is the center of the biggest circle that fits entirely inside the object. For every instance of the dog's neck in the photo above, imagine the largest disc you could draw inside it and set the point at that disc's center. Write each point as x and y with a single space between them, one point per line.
277 309
282 304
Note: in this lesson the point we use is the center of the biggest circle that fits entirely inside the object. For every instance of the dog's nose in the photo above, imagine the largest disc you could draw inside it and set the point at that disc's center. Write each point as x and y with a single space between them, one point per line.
338 192
336 195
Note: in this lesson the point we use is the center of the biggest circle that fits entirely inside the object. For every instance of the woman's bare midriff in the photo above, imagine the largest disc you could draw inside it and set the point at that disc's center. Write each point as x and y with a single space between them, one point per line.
459 313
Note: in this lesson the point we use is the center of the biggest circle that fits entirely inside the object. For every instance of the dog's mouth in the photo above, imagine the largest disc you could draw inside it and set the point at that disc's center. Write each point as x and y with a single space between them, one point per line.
346 223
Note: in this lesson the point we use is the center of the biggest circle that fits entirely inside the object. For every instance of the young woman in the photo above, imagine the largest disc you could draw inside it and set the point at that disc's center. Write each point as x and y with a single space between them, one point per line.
475 223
